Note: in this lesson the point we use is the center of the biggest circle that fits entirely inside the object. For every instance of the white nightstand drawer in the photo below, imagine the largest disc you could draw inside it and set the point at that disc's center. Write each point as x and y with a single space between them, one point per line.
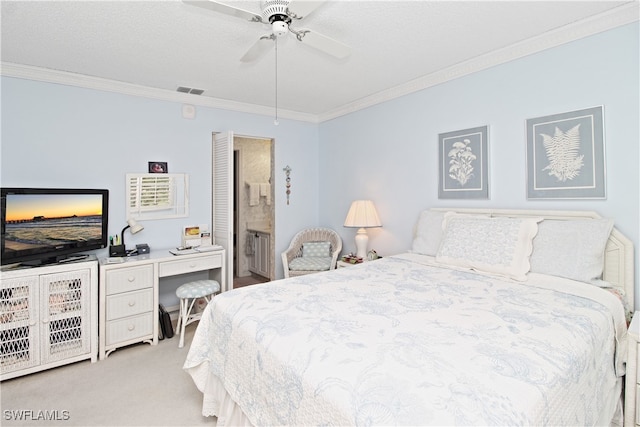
129 328
637 404
188 265
129 303
129 279
637 361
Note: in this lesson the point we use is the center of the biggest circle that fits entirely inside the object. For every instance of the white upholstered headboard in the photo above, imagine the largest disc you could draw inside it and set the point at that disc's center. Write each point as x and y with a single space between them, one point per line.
618 261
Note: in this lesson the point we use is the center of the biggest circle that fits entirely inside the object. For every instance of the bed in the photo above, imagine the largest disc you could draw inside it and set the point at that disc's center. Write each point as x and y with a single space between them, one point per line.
494 317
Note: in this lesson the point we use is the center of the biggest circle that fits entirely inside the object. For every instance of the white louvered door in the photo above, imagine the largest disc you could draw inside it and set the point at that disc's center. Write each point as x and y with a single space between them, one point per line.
223 199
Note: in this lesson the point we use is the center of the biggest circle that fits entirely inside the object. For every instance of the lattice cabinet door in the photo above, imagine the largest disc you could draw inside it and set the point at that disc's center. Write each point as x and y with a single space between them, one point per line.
65 307
19 325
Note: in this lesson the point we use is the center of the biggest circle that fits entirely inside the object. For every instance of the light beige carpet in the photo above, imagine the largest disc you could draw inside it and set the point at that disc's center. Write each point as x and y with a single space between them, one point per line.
139 385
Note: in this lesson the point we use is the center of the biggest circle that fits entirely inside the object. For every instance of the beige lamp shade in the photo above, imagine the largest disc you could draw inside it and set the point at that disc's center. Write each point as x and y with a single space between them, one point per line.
362 214
135 227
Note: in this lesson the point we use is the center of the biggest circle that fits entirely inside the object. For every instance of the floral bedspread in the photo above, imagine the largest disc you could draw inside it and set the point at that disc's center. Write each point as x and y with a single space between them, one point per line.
399 341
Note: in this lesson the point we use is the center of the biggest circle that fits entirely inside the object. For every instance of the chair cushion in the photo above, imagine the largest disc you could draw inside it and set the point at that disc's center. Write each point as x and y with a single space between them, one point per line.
316 249
310 263
197 289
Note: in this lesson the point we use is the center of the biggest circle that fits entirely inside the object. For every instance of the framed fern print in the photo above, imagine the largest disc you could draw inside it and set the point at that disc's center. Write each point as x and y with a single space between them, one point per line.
565 156
463 166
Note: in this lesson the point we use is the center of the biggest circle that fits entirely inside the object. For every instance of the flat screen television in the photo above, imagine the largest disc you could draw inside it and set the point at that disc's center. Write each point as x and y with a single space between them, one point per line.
48 225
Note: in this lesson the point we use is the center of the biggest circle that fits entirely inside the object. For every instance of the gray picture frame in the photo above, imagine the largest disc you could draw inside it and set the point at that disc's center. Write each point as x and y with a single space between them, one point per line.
464 166
566 155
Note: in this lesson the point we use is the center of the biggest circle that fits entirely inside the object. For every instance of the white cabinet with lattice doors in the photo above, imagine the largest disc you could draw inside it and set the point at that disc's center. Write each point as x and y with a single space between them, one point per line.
48 317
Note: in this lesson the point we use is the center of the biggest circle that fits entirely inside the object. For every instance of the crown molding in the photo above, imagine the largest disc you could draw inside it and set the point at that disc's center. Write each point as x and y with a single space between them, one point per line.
622 15
47 75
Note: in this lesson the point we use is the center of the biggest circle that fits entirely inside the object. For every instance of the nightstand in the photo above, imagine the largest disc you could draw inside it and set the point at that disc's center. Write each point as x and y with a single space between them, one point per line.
632 379
342 264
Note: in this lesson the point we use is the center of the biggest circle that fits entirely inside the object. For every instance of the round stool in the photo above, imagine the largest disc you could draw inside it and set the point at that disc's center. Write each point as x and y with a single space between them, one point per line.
188 294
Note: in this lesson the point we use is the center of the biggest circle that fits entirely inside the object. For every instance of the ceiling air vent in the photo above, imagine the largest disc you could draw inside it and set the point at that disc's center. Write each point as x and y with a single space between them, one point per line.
190 90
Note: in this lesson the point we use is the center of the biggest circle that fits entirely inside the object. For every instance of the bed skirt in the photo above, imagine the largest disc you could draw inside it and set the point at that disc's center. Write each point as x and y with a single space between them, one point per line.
216 401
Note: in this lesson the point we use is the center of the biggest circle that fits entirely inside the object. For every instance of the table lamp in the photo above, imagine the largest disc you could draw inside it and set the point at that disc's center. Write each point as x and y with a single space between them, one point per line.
119 249
362 215
134 227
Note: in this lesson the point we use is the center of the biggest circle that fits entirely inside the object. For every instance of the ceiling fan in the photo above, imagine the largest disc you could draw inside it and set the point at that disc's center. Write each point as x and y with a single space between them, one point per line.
279 14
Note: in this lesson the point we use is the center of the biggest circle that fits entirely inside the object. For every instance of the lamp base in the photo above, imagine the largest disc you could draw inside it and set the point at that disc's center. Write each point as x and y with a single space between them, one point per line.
362 240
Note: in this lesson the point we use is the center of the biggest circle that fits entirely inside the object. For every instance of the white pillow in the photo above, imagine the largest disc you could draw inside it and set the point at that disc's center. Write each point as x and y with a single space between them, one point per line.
428 233
429 229
573 249
316 249
495 245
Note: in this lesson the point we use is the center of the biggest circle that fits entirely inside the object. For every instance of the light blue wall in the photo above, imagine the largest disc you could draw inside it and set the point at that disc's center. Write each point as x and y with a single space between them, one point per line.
60 136
54 135
388 152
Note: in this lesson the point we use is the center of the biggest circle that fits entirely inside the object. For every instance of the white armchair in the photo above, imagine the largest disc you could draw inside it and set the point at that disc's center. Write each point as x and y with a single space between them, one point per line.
323 247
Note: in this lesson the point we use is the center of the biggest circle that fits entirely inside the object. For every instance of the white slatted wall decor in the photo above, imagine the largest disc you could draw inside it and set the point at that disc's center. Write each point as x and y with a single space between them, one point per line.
223 198
157 196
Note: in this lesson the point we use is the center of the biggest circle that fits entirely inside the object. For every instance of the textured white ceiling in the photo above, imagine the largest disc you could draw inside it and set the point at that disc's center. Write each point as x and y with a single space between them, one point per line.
166 44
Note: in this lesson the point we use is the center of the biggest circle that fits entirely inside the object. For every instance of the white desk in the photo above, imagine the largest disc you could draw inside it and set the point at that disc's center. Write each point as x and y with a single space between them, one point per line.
129 293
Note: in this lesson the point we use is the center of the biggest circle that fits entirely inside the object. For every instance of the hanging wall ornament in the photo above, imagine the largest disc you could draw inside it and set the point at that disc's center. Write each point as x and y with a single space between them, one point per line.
287 171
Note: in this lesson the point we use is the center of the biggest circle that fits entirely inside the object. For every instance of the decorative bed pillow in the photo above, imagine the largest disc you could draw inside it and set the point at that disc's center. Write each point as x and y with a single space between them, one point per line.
573 249
316 249
428 233
429 229
494 245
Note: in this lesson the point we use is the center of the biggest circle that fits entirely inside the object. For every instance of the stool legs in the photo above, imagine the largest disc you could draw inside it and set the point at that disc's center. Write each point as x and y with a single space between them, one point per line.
185 317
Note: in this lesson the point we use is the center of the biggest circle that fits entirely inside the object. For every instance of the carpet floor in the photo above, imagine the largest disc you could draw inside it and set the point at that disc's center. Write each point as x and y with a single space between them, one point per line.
139 385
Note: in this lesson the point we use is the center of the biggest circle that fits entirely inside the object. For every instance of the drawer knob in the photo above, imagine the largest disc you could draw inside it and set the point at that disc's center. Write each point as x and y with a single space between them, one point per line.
132 303
131 327
131 278
193 265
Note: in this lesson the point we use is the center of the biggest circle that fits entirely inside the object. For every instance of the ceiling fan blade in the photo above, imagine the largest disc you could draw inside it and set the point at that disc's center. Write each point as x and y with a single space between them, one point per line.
323 43
223 8
259 48
301 8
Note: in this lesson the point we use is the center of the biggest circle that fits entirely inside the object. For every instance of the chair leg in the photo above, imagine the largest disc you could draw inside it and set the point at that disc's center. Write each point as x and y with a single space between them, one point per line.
179 318
184 315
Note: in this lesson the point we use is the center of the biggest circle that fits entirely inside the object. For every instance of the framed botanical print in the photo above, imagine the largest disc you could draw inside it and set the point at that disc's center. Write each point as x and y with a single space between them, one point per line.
463 169
565 155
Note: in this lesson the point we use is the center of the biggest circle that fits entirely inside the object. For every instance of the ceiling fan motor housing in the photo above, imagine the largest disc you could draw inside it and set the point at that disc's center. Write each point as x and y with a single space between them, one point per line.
275 10
279 28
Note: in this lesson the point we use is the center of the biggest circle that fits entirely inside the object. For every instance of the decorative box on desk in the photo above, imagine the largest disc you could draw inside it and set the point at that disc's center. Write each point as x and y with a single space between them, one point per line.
129 293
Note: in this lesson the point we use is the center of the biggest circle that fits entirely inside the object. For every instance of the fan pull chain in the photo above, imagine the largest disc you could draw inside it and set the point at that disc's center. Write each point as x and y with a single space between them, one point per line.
275 122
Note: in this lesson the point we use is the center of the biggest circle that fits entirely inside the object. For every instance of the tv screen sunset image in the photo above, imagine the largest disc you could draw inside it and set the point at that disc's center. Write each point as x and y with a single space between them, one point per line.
42 220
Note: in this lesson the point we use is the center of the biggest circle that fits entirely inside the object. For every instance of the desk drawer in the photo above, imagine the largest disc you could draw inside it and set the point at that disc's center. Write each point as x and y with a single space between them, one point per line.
129 328
129 279
188 265
129 303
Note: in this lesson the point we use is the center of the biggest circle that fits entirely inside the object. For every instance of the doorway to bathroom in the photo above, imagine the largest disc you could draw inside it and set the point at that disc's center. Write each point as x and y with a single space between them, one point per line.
253 210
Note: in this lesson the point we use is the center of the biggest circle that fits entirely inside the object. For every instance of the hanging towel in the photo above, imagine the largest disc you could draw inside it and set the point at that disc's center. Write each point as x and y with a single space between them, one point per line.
265 190
254 194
